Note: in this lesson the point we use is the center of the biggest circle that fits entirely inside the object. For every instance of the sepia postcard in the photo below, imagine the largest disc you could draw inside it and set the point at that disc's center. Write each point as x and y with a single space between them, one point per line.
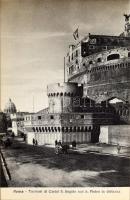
65 99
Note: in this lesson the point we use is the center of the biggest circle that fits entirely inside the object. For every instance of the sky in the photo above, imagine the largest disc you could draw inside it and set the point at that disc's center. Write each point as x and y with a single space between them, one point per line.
35 36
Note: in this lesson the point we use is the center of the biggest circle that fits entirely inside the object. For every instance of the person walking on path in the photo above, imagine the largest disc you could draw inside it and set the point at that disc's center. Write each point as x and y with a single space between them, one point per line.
56 142
118 148
74 144
33 141
36 143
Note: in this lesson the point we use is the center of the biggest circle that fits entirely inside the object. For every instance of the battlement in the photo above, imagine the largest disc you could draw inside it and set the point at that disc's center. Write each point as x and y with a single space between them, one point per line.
60 96
63 89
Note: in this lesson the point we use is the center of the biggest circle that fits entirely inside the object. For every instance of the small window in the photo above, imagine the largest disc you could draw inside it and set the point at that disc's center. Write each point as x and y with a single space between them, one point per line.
128 54
99 60
74 128
91 47
78 129
51 117
113 57
39 117
82 116
76 61
90 62
71 130
72 56
104 48
67 129
76 53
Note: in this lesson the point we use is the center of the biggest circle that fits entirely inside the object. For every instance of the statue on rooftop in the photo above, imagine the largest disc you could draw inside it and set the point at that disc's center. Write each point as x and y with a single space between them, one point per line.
126 17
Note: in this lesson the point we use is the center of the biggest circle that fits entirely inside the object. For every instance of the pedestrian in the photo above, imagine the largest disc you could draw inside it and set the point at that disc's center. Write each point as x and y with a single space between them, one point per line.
24 138
74 144
59 143
33 141
118 148
56 142
36 143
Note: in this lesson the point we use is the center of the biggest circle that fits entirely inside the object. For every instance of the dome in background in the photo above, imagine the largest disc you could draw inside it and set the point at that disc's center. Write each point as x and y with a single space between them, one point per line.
10 107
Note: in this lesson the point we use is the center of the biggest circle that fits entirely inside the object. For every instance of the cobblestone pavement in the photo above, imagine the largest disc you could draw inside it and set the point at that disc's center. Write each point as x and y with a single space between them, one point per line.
32 166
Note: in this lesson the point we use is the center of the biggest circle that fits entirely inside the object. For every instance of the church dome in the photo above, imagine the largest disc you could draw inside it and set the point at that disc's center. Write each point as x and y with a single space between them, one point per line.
10 107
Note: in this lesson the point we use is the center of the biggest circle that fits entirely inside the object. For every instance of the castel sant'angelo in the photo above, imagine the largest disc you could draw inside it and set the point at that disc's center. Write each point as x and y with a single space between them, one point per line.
93 102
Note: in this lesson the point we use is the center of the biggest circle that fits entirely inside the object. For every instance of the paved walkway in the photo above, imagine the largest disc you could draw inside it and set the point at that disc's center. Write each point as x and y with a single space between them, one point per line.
104 149
40 166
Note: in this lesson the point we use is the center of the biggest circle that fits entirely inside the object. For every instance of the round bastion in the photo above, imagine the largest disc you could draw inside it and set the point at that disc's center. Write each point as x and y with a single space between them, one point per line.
60 96
67 89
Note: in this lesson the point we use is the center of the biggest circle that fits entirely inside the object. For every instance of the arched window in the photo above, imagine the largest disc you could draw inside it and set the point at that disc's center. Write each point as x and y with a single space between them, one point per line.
89 128
70 129
66 129
78 129
90 62
76 62
129 54
82 129
113 56
40 129
52 129
72 56
34 129
74 128
43 129
61 94
99 60
59 129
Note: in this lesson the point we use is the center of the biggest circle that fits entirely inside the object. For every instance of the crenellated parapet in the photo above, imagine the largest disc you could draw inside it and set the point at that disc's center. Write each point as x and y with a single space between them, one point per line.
63 89
60 96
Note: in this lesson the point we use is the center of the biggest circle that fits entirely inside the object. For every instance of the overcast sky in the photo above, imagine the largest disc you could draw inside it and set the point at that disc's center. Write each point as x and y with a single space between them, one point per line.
35 37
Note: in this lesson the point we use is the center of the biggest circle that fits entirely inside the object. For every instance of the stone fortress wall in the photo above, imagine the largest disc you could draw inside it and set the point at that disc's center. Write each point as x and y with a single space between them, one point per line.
104 76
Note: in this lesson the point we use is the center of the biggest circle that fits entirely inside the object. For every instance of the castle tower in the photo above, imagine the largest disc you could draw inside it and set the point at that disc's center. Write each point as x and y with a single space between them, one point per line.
60 96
